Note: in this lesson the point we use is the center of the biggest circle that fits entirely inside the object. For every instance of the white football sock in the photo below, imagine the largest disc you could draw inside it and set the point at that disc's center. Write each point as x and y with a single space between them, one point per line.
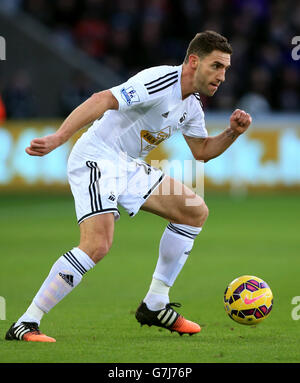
64 276
175 245
157 296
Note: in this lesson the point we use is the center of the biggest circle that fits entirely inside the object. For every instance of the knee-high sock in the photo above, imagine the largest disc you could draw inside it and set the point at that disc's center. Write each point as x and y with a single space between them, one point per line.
64 276
175 246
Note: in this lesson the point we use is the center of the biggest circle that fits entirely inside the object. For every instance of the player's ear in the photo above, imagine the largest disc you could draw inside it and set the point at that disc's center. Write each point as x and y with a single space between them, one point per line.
193 61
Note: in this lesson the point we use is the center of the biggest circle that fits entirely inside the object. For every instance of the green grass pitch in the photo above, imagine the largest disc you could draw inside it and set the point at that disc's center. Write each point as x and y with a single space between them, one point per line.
256 235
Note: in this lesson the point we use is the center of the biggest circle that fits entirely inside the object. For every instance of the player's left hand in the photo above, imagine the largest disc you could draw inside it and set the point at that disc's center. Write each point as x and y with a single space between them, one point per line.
240 121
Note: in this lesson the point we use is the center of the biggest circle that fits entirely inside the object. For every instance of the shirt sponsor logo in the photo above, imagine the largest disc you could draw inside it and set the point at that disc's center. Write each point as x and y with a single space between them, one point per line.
129 95
154 138
149 140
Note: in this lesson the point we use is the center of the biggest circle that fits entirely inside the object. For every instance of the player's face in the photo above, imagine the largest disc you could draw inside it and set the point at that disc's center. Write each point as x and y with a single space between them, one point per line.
210 72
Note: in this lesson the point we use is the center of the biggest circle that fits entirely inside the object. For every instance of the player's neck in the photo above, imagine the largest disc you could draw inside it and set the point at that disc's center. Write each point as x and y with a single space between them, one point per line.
187 81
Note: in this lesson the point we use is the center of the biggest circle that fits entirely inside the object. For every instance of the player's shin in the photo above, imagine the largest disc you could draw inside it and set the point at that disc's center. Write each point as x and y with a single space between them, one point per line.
175 246
64 276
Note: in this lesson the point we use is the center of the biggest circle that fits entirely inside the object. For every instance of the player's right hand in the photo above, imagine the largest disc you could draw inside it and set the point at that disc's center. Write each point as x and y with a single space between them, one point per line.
44 145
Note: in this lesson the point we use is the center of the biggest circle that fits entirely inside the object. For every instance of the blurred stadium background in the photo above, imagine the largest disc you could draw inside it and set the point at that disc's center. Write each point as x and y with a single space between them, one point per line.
59 52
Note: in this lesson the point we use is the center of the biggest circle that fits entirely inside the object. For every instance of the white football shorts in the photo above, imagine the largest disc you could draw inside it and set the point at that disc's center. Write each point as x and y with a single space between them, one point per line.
100 180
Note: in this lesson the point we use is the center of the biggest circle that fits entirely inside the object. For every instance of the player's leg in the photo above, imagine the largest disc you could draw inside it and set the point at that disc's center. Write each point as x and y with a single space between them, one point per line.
96 235
177 203
186 213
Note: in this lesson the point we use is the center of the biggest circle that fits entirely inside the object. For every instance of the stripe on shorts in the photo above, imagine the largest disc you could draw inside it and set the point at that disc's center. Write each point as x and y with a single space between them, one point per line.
110 210
94 188
154 186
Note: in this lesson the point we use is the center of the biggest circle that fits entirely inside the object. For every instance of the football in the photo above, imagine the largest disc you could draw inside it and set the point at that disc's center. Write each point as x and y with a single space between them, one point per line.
248 300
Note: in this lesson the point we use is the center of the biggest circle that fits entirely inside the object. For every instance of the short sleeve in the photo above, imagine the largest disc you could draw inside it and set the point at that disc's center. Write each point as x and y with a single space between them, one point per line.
130 94
195 126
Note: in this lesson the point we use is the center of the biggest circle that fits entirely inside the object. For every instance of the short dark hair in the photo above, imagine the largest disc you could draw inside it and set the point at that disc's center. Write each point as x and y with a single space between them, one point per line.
206 42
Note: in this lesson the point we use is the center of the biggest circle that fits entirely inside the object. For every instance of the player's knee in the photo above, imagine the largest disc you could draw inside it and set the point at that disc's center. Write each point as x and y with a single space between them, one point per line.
100 250
204 212
199 215
97 249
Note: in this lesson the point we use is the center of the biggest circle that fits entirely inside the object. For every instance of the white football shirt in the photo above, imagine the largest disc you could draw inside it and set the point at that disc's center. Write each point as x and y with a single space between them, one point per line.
151 109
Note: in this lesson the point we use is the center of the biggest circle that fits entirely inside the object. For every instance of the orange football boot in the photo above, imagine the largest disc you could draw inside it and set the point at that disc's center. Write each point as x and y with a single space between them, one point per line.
166 318
27 331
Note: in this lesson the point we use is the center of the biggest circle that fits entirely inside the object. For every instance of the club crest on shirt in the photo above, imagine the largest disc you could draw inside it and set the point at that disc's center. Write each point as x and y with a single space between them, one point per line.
182 118
129 95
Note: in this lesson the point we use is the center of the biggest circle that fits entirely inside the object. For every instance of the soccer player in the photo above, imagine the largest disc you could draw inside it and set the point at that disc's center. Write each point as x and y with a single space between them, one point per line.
105 169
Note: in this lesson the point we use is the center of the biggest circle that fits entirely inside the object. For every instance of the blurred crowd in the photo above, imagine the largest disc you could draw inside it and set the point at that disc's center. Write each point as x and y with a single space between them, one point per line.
130 35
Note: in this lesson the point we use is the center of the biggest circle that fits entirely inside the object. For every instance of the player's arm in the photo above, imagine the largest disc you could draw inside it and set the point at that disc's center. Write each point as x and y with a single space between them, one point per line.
84 114
210 147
